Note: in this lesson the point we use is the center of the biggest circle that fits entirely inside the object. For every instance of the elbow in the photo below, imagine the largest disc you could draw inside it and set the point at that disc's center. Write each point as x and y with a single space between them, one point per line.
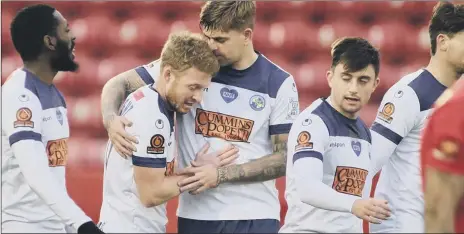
151 200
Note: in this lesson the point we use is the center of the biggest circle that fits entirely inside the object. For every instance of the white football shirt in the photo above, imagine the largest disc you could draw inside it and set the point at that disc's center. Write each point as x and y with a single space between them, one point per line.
396 135
343 146
243 108
35 133
153 126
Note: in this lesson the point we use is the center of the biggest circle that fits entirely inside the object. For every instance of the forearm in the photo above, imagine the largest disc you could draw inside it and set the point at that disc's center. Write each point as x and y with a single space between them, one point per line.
443 192
168 190
266 168
34 167
113 94
312 191
382 149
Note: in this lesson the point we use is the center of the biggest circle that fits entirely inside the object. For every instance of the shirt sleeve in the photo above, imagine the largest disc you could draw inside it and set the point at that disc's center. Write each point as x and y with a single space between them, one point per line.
309 139
22 117
444 139
153 134
286 108
149 72
21 122
395 119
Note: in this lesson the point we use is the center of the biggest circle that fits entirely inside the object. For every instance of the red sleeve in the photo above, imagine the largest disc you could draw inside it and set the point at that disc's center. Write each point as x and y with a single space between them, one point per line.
443 140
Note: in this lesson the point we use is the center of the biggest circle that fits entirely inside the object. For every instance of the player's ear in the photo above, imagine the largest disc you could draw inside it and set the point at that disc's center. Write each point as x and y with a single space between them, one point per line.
376 83
248 34
50 42
167 73
442 42
329 76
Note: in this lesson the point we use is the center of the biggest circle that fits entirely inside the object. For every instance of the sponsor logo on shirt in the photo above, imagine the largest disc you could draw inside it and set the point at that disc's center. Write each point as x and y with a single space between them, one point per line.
356 146
303 141
387 112
156 145
257 103
57 152
349 180
170 168
227 127
23 118
229 95
336 145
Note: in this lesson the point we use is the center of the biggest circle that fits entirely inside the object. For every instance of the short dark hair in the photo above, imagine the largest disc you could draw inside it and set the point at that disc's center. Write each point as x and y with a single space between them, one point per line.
446 19
228 15
28 28
355 53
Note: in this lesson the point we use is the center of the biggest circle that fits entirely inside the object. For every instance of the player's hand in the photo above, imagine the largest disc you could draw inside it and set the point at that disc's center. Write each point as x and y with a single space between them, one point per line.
220 158
201 179
89 228
121 140
372 210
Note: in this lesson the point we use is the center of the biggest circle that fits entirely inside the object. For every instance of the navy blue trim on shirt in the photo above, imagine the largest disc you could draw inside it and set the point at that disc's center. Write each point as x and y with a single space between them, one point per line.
146 77
427 89
307 154
387 133
280 129
24 135
148 162
48 95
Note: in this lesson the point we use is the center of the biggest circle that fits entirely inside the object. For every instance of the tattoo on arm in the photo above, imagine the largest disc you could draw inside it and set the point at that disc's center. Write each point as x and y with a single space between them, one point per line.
443 192
266 168
115 91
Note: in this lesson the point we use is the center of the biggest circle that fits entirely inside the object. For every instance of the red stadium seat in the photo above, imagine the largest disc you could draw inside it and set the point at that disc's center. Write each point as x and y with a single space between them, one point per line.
311 78
143 33
7 18
189 24
85 116
338 28
368 113
10 63
394 37
286 36
96 32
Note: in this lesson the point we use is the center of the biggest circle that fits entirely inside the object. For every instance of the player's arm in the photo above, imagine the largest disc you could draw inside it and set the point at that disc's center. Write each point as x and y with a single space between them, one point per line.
309 142
155 184
395 118
443 158
284 112
21 122
113 95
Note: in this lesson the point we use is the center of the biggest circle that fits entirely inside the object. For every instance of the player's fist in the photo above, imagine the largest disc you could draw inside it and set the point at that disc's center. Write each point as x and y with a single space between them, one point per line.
122 141
371 210
89 228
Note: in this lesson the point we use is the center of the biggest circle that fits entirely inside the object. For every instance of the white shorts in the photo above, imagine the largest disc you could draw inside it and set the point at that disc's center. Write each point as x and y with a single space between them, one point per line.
119 224
42 227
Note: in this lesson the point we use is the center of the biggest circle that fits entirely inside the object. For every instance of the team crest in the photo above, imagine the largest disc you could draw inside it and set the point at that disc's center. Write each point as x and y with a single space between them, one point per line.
156 145
23 118
356 146
59 116
387 112
257 103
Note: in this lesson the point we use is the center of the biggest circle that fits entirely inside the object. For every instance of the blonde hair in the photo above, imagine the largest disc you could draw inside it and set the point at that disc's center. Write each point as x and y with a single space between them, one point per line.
228 15
184 50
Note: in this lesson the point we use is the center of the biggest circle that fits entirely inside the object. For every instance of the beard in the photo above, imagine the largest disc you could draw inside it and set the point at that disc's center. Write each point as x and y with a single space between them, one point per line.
63 59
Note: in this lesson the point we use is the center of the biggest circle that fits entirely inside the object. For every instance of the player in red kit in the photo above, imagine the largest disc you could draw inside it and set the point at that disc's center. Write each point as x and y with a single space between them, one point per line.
442 154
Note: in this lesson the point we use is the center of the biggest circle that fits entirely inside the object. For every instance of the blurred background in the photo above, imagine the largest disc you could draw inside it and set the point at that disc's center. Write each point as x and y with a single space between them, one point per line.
116 36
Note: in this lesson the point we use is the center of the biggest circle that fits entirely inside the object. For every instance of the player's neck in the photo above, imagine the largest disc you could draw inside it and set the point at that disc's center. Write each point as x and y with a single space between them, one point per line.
247 60
160 87
42 70
442 71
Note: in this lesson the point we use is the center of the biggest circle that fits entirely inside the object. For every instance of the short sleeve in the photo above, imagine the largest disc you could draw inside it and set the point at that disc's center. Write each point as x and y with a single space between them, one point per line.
444 139
149 72
397 114
22 116
285 109
153 133
308 137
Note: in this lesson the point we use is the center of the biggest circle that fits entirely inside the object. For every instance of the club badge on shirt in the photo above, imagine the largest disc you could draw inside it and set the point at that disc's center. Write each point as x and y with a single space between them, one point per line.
23 118
156 145
387 112
303 141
